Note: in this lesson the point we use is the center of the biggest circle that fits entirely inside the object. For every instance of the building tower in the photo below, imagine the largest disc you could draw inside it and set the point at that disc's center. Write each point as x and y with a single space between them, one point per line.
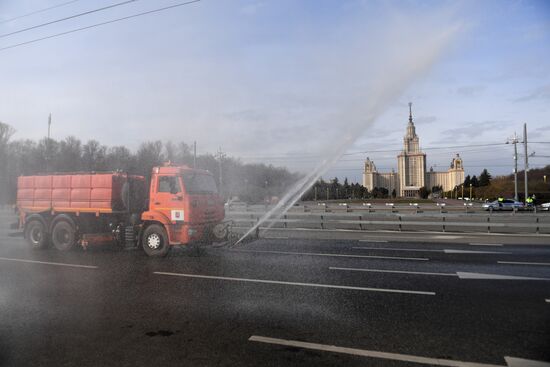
411 162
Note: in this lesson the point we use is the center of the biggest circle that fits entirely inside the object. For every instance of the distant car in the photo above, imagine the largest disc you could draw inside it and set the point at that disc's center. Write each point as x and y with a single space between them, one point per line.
507 204
545 206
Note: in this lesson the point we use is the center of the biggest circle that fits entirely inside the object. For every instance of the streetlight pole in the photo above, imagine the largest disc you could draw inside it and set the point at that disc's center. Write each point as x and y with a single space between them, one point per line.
526 167
221 155
514 140
470 192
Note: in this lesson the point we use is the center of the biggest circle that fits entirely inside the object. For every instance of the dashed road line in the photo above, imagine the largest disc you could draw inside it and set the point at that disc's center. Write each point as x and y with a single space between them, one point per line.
374 241
48 263
393 271
368 353
486 244
459 274
522 263
445 251
265 281
332 255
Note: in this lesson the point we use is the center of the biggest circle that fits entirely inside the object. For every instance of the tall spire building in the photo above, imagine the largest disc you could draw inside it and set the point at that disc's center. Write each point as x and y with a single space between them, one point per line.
411 173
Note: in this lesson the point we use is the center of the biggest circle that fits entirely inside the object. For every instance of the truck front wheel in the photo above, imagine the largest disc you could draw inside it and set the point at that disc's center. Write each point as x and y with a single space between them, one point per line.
35 234
155 241
63 236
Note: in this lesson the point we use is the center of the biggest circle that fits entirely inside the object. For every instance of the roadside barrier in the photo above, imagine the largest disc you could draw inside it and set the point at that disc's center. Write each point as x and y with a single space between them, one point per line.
415 220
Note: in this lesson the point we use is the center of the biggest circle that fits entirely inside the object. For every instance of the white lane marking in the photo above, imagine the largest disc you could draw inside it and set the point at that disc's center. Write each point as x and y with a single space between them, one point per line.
520 362
446 237
368 353
49 263
393 271
395 249
461 275
332 255
486 244
374 241
522 263
474 252
424 293
464 275
446 251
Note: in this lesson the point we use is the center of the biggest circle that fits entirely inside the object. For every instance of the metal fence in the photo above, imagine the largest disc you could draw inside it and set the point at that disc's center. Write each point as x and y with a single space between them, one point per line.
395 219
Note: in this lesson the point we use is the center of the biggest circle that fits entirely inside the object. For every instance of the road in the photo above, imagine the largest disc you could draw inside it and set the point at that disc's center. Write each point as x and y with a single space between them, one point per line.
277 301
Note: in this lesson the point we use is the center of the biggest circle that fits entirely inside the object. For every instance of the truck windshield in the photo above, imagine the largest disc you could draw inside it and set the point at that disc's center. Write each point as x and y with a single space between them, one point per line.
199 183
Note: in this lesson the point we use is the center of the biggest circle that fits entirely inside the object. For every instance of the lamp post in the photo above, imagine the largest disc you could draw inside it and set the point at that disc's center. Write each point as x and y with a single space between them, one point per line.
514 140
470 192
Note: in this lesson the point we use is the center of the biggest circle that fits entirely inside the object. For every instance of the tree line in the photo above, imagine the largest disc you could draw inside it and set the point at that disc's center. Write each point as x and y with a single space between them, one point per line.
249 182
334 190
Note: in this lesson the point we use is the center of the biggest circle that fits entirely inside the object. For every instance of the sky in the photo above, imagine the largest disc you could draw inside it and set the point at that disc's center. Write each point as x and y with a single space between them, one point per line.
283 82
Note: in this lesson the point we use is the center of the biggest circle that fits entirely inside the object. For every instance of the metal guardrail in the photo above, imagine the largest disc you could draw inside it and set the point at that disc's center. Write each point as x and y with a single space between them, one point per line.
363 222
467 207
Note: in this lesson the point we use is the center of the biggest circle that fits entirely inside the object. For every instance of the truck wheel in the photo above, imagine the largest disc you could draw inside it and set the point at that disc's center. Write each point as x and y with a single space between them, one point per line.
155 241
63 236
220 232
35 234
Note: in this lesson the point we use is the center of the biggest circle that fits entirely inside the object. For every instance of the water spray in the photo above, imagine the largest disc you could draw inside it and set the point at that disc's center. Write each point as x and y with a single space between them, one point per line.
392 78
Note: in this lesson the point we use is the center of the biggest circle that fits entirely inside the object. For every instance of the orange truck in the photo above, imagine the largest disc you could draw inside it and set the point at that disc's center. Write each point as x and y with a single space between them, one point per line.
182 206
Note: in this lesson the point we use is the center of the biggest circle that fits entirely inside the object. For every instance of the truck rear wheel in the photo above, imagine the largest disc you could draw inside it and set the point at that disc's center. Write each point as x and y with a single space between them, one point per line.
155 241
35 234
63 236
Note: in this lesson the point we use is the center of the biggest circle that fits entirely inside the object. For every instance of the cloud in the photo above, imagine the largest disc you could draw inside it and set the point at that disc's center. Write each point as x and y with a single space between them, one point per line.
425 120
252 8
539 130
470 90
473 129
542 92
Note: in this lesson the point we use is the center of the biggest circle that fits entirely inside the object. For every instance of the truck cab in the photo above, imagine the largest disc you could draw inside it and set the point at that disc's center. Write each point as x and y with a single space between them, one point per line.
184 206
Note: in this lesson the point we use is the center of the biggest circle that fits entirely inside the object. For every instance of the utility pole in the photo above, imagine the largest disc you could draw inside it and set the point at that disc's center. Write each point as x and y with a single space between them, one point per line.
221 155
49 125
526 167
48 143
315 189
514 140
195 154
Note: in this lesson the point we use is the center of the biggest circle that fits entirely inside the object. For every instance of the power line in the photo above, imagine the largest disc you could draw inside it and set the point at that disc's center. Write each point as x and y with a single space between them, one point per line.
67 18
541 165
99 24
430 148
313 157
37 11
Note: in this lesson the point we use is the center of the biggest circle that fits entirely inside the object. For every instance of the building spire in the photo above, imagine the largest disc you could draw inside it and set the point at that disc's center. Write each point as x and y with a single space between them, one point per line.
410 113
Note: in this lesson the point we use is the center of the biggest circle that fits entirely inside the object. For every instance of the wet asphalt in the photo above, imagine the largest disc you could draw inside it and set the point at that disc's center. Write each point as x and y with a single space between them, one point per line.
125 309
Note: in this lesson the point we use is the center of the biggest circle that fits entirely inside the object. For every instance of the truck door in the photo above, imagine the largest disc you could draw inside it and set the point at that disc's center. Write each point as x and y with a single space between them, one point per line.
167 198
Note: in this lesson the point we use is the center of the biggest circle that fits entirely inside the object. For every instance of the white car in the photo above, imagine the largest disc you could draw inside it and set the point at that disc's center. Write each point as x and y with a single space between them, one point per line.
545 206
507 204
